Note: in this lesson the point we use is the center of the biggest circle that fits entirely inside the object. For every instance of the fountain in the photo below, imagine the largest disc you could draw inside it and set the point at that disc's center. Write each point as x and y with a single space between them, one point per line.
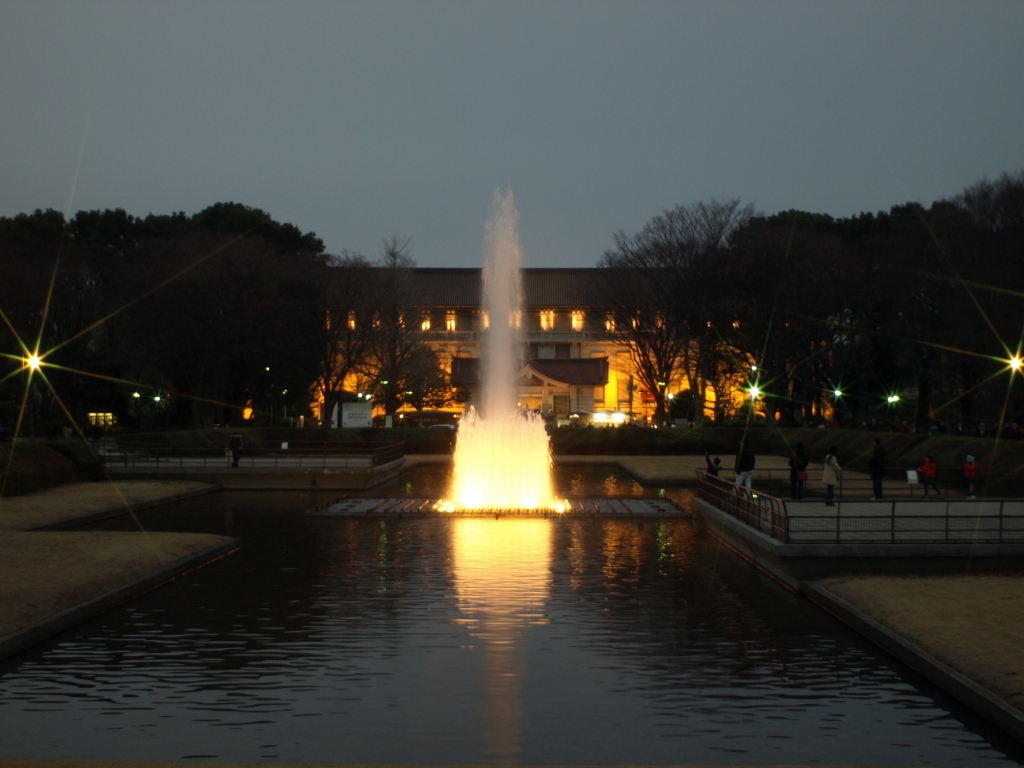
502 455
502 461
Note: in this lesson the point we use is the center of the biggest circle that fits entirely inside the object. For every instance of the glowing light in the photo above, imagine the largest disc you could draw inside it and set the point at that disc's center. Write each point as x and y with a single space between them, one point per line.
136 395
1016 362
502 459
892 399
32 362
502 463
502 577
619 417
837 393
755 392
156 399
600 417
753 368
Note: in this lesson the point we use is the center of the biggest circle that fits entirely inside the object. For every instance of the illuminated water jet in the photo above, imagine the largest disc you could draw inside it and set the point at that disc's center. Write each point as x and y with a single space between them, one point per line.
502 455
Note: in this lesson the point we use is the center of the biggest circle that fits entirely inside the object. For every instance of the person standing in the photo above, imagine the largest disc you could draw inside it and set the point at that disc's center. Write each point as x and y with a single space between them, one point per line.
236 448
797 472
928 479
830 475
745 461
970 476
714 467
877 466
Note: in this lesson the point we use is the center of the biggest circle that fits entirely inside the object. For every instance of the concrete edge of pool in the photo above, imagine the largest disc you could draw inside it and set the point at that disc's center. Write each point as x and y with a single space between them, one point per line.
797 571
977 697
621 507
56 623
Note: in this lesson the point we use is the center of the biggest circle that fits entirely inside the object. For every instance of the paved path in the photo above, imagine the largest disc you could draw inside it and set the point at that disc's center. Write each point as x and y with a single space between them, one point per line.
78 503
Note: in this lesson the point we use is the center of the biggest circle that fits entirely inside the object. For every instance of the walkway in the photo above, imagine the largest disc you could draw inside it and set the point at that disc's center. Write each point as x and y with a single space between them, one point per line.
68 505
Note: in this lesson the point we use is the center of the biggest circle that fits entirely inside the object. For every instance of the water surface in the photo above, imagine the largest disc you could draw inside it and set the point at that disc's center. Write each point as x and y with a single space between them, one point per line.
471 641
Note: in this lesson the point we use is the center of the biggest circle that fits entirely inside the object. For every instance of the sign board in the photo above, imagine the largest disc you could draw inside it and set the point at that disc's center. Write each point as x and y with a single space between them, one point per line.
912 477
356 415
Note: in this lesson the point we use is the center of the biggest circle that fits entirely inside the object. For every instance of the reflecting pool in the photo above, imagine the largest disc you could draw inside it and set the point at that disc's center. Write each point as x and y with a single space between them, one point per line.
471 641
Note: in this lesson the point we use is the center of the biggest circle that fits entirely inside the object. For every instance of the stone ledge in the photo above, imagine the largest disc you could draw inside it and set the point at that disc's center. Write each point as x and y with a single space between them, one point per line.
24 638
979 698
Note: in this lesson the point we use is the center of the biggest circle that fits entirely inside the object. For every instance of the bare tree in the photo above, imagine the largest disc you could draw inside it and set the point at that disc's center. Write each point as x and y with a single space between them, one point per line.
661 297
349 300
397 343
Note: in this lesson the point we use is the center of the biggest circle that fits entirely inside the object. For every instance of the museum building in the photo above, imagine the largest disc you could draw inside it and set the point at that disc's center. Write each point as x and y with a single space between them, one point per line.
570 366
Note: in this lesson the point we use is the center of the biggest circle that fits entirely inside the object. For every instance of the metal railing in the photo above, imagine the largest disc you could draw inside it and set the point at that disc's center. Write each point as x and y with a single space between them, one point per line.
893 521
145 456
776 481
758 510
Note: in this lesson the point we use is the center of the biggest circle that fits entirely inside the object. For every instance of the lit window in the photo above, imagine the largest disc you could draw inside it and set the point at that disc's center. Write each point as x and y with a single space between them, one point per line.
516 320
609 323
450 323
352 319
577 320
547 320
425 323
485 320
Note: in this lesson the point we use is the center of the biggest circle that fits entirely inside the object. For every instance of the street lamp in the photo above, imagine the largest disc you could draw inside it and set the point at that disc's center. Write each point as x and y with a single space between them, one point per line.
1015 363
32 362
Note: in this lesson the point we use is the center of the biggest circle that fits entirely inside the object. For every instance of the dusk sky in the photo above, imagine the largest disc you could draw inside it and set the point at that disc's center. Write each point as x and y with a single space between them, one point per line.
363 120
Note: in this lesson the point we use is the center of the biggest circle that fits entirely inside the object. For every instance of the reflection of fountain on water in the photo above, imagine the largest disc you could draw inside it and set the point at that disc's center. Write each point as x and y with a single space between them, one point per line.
502 456
502 575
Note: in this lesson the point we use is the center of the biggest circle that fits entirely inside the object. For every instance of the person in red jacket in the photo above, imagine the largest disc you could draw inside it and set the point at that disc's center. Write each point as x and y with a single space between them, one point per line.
927 473
970 476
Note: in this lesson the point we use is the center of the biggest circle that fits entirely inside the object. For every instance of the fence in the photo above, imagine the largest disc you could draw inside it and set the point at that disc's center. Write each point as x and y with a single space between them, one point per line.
894 521
758 510
857 482
147 456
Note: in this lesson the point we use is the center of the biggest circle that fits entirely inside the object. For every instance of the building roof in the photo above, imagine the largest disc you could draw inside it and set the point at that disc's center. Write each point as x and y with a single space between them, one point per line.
588 372
591 372
542 288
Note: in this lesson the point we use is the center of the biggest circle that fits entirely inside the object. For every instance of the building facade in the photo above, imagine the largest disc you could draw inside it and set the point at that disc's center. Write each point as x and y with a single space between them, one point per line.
571 368
574 369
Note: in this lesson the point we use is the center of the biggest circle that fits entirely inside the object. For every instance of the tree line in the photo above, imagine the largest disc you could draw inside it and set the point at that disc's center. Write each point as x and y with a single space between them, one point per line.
915 313
175 320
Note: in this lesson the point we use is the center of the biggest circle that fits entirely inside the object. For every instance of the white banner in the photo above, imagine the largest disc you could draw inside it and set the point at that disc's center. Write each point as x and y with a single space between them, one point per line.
356 415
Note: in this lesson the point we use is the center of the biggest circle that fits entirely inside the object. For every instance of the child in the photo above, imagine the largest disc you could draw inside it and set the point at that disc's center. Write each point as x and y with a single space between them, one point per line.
927 472
970 476
714 467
